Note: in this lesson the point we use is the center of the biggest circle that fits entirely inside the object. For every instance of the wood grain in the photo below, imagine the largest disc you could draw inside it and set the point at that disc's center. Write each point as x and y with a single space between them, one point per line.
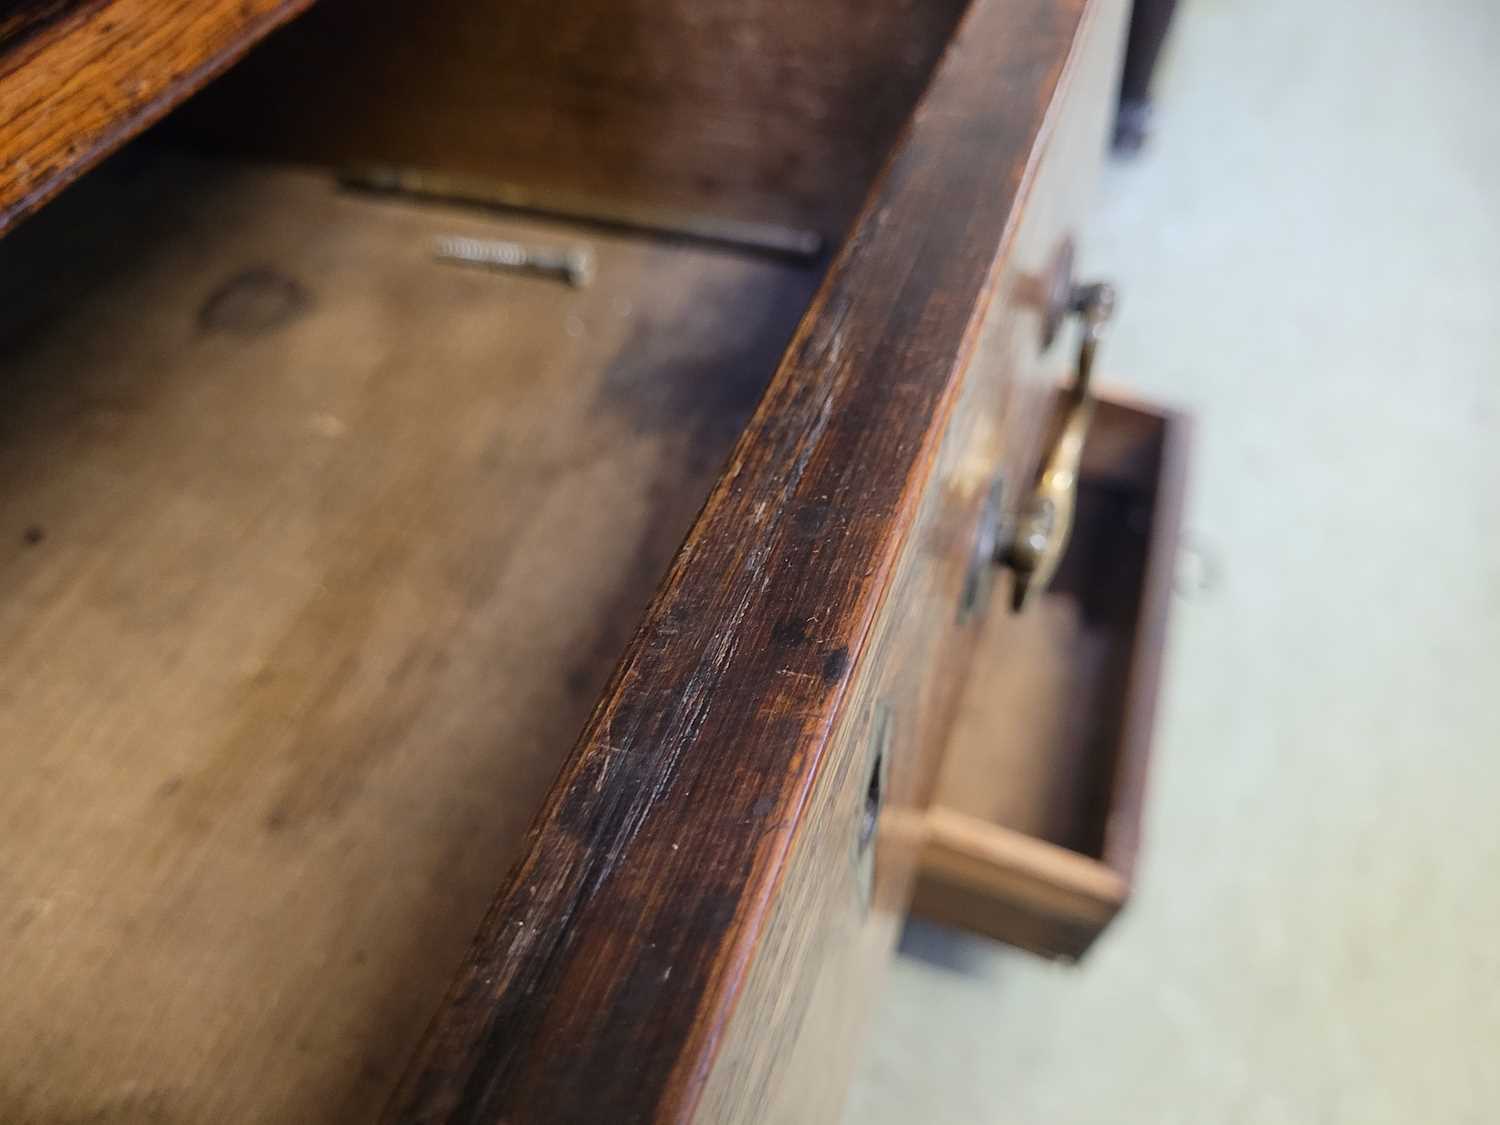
315 555
78 80
689 914
1034 829
23 17
779 111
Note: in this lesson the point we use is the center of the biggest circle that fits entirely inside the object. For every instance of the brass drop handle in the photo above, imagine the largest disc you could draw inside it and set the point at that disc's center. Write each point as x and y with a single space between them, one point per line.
1041 533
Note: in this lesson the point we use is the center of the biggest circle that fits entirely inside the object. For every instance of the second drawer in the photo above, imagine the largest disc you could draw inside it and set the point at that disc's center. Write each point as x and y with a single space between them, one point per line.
1033 834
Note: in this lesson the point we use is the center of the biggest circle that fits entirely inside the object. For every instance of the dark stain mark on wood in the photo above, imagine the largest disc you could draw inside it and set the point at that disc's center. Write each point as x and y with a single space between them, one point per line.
790 632
835 664
256 300
33 535
700 369
810 519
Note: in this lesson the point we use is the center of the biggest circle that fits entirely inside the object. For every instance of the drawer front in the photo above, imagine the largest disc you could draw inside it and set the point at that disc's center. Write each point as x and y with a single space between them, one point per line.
822 962
700 922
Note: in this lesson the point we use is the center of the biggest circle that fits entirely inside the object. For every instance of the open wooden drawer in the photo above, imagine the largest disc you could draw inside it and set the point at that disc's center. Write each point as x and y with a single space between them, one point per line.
1033 833
321 555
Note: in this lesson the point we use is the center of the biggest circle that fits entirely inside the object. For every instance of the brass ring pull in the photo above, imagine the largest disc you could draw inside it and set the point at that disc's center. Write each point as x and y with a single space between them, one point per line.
1043 526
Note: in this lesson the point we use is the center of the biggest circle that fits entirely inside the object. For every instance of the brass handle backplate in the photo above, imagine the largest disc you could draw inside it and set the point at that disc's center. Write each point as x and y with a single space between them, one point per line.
1041 532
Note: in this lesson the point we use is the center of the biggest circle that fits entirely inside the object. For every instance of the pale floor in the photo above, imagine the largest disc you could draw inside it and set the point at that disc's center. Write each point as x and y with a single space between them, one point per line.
1309 257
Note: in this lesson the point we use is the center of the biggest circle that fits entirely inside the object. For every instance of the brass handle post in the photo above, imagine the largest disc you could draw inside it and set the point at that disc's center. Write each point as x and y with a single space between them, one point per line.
1042 529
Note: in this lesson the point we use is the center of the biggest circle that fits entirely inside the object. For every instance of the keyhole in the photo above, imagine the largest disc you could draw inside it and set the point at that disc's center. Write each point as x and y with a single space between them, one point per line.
877 784
988 537
877 781
874 799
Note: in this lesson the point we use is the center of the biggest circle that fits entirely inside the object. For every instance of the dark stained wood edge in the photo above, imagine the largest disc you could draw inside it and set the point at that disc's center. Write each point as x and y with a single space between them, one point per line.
1122 834
77 87
607 969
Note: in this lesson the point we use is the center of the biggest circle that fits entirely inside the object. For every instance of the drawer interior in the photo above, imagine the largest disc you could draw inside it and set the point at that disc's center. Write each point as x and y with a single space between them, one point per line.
315 555
1037 812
